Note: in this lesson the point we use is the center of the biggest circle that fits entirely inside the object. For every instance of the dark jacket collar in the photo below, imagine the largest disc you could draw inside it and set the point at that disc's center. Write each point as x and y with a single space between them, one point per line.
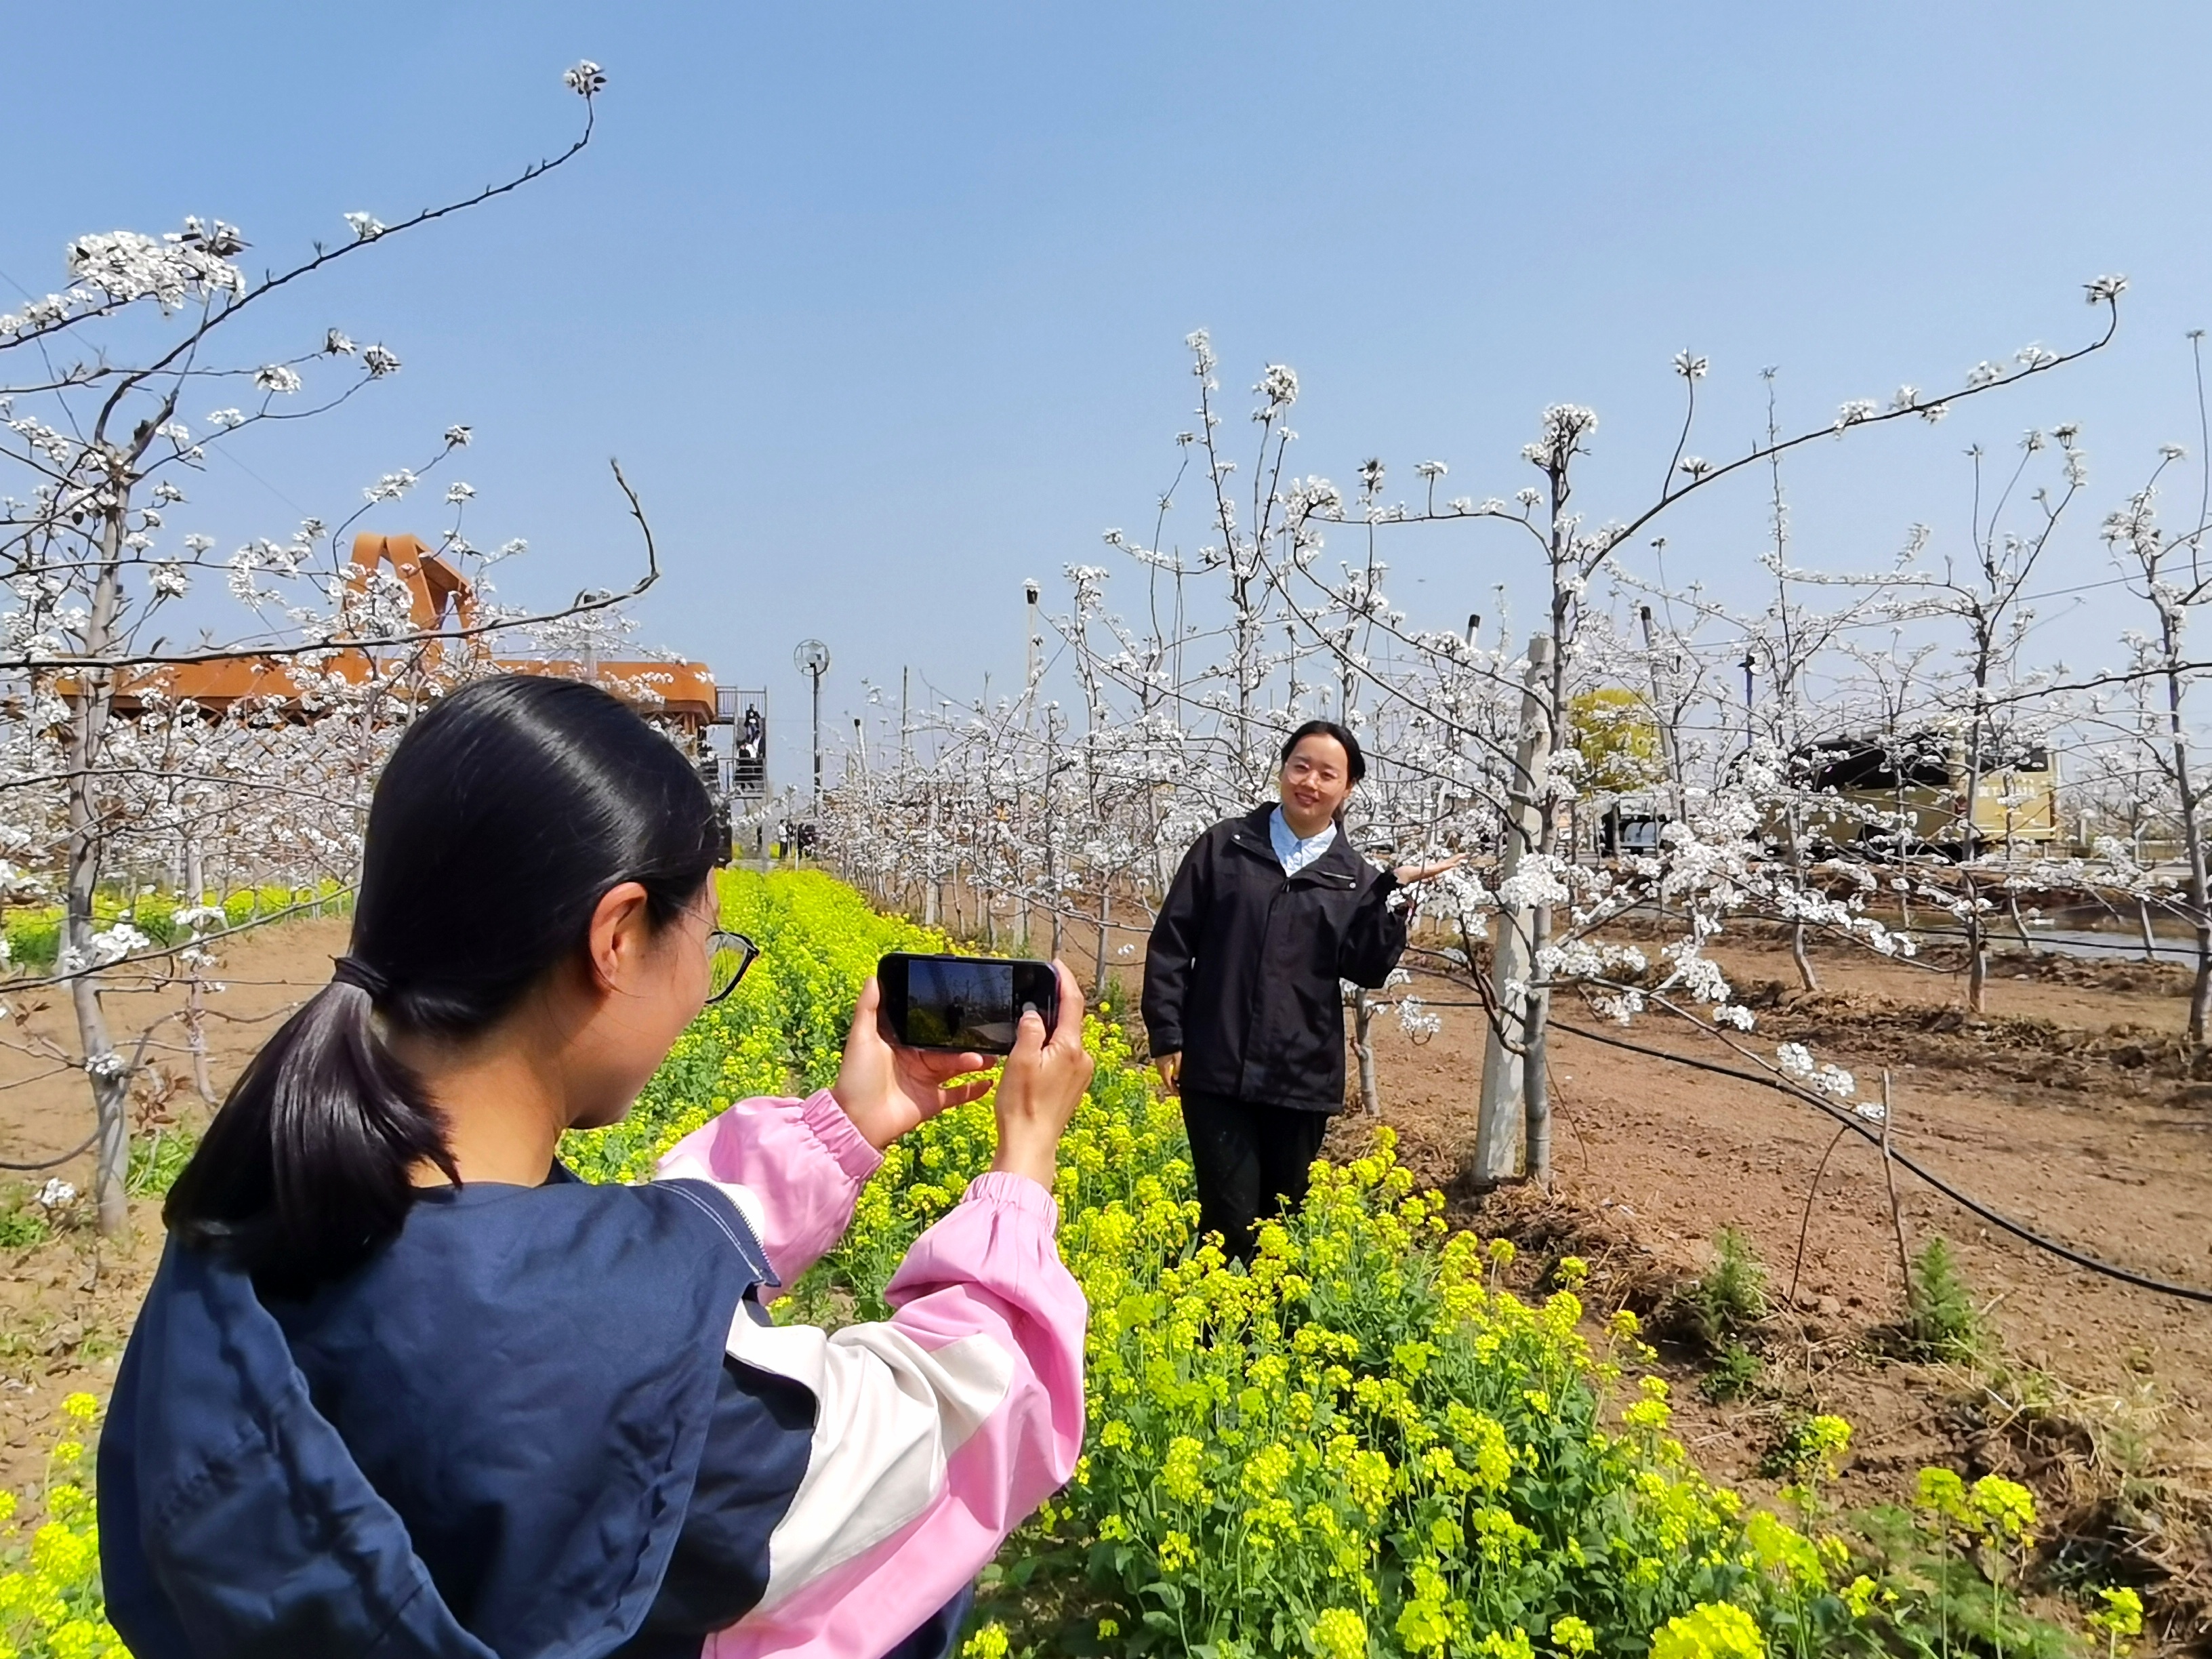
1254 833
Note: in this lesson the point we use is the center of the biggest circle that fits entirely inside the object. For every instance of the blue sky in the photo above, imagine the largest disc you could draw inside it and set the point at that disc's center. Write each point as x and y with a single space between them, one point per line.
882 306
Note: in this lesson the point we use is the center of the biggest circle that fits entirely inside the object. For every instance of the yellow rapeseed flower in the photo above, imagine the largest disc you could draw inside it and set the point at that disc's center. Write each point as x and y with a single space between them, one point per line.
2004 1507
1339 1633
1712 1629
1942 1491
2122 1613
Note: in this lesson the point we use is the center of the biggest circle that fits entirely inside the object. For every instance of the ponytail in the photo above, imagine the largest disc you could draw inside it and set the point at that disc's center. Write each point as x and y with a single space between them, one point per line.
504 815
311 1161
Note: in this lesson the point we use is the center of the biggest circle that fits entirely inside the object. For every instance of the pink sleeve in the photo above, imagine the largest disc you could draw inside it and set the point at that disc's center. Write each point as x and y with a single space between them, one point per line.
794 1169
982 1370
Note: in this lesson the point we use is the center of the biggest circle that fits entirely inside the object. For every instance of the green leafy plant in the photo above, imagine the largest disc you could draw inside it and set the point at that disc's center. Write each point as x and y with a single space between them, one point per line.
23 1224
1805 1449
157 1159
1735 1374
1729 1297
1948 1570
1942 1321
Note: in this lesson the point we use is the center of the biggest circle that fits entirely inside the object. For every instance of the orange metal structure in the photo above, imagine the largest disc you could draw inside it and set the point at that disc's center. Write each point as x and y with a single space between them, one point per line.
678 694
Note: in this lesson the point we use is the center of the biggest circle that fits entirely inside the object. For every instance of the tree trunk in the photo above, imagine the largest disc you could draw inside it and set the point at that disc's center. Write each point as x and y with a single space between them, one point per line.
2192 841
1105 927
2200 993
1501 1115
106 1068
1363 1047
2143 922
1670 761
1977 955
1535 1079
195 1021
1794 833
1051 859
109 1073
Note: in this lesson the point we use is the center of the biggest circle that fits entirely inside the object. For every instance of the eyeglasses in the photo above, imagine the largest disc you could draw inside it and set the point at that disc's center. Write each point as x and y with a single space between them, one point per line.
728 956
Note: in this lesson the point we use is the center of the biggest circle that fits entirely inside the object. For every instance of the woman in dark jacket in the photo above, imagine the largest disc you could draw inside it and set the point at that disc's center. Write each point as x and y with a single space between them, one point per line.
1242 998
403 1386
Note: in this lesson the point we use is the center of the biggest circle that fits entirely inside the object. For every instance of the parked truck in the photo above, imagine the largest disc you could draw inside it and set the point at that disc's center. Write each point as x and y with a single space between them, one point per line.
1907 793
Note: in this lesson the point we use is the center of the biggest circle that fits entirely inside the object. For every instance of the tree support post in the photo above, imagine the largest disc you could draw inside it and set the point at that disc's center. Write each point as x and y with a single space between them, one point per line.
1501 1114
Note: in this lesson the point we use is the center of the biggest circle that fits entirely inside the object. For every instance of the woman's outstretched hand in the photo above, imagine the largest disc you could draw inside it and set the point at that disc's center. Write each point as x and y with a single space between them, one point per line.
1409 874
887 1091
1041 1086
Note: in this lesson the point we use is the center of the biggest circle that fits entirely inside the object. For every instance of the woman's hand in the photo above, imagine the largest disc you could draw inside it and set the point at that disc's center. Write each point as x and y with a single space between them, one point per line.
1169 1066
1041 1086
1408 874
887 1091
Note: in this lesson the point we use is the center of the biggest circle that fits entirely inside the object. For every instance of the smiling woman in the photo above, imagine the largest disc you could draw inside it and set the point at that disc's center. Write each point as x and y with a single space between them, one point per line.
1269 912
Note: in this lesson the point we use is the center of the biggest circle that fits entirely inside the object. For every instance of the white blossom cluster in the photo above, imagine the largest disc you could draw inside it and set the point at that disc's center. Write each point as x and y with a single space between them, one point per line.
164 739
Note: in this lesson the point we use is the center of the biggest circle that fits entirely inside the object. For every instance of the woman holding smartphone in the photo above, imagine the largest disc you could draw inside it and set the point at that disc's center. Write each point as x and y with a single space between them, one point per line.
405 1386
1244 1001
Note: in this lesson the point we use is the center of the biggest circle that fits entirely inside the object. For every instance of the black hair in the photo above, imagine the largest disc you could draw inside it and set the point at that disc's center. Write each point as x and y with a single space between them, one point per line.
1355 764
505 814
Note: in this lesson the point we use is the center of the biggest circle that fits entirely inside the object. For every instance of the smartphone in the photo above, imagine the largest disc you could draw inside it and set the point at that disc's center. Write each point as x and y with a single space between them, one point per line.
956 1004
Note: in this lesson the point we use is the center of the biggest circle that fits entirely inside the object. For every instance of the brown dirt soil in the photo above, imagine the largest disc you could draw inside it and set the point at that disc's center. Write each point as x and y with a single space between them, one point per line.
66 1305
2071 1106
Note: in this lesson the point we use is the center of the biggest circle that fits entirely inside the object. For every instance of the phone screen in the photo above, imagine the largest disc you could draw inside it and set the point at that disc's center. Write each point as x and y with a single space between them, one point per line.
953 1002
959 1004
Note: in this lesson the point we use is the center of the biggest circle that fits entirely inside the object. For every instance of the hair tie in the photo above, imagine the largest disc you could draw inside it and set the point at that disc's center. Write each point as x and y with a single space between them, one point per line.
352 970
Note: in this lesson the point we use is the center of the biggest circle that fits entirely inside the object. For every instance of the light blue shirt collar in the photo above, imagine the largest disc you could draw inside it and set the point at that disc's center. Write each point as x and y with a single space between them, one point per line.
1294 852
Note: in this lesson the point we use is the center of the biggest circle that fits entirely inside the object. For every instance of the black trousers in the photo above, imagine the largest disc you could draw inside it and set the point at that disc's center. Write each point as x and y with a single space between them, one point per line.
1251 1160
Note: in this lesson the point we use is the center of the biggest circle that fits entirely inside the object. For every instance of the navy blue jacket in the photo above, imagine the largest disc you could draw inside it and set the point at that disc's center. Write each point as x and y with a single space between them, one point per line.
514 1431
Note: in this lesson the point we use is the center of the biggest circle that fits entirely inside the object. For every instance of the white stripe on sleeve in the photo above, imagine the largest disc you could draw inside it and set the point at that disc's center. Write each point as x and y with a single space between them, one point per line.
889 1413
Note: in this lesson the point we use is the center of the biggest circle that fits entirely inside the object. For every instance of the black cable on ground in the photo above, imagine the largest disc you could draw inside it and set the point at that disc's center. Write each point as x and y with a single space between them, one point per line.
82 1148
1851 1121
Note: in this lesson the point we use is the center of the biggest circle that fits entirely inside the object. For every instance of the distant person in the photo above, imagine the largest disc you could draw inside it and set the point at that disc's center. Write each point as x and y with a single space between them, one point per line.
403 1386
1242 997
751 731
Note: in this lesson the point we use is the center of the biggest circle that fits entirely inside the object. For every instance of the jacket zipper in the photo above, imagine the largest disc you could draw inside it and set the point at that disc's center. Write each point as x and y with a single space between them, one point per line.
1341 884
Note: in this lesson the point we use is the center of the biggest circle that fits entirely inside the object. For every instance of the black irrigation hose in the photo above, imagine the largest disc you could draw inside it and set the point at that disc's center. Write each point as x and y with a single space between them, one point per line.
78 1150
1850 1121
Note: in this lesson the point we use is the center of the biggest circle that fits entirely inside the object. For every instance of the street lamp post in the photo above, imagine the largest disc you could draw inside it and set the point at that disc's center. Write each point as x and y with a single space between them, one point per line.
811 658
